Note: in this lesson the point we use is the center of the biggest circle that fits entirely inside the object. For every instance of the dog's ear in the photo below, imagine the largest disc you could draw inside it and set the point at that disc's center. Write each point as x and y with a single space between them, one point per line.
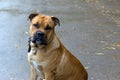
56 20
32 15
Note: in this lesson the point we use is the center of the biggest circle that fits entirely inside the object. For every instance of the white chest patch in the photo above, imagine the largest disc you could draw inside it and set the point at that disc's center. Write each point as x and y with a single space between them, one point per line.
35 63
37 68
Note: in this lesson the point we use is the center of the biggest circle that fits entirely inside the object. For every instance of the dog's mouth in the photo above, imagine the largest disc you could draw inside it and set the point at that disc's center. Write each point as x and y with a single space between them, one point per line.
39 39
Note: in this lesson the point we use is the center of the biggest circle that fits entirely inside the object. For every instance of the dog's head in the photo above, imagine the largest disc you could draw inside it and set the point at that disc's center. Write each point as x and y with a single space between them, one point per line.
42 28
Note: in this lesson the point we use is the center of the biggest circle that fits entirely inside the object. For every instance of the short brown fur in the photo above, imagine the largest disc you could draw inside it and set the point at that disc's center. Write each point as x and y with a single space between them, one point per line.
54 61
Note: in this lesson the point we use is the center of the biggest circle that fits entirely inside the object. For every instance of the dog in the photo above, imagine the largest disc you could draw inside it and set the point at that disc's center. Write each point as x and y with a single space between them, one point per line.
47 56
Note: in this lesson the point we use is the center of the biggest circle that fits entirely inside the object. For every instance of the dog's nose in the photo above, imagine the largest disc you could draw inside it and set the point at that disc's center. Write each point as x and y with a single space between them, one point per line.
39 33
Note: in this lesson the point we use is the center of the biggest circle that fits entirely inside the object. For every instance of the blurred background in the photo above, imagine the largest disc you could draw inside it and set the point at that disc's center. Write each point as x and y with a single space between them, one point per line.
90 29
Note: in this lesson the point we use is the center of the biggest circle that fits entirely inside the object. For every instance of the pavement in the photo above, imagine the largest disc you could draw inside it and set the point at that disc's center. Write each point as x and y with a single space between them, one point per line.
90 29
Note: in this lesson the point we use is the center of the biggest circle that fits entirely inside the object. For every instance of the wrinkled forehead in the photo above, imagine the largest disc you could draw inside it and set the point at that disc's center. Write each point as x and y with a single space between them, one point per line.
42 19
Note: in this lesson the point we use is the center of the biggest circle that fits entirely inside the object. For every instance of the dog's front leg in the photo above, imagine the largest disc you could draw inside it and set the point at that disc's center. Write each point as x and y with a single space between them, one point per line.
49 76
33 75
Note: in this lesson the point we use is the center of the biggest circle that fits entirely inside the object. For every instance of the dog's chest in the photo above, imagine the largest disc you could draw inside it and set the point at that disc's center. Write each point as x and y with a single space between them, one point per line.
38 68
34 61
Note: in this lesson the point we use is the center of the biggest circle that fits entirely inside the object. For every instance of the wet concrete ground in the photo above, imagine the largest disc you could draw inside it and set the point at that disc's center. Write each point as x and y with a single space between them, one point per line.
90 29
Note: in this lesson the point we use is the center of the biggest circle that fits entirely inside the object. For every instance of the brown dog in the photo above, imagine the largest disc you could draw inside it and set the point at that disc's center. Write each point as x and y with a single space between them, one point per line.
48 57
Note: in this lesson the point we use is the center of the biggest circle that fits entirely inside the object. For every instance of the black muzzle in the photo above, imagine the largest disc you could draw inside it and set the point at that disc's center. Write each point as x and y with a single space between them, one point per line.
39 38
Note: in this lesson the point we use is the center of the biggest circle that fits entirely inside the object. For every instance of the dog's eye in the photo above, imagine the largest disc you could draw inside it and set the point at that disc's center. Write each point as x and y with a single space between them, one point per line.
36 25
48 27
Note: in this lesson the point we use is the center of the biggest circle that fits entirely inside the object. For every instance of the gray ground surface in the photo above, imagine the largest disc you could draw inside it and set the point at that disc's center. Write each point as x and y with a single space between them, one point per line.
90 29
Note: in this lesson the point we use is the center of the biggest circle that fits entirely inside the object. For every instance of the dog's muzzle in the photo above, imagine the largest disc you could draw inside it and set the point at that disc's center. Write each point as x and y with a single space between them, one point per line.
39 38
